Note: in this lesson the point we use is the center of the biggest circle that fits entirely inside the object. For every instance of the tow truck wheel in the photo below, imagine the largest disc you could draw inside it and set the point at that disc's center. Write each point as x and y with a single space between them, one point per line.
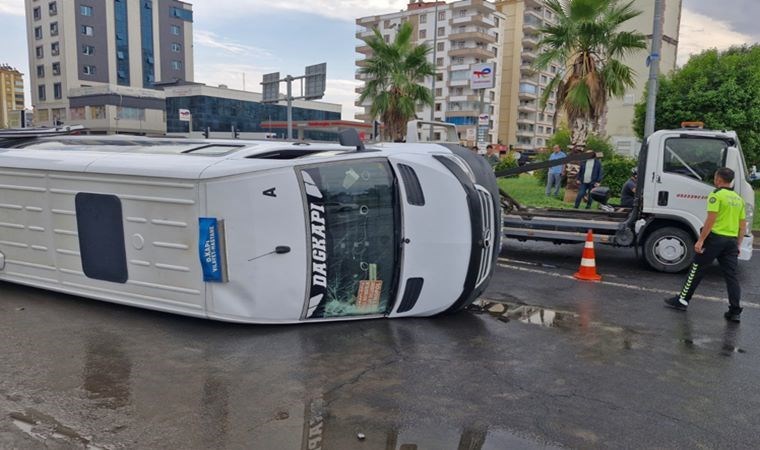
669 249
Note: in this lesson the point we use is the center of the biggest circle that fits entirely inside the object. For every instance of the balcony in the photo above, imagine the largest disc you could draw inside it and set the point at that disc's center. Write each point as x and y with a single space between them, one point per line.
527 95
477 5
359 89
458 83
364 49
532 24
364 34
477 36
527 69
464 98
361 63
528 55
462 113
530 41
476 52
364 117
474 19
525 120
526 133
526 107
361 76
368 22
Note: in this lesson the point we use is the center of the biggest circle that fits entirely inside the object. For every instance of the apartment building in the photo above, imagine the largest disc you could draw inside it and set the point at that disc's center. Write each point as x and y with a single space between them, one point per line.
618 124
11 94
461 33
522 122
96 62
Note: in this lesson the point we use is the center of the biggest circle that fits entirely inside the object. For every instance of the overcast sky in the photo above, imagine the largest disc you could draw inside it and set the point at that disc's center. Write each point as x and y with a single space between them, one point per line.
253 37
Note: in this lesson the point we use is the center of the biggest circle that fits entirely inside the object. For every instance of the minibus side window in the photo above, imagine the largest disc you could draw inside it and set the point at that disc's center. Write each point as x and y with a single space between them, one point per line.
101 237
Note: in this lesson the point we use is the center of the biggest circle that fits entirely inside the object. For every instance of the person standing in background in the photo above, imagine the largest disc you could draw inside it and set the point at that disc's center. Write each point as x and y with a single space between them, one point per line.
589 177
554 177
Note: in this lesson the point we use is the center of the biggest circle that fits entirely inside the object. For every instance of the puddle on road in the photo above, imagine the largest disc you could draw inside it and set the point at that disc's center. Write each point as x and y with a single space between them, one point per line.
604 336
43 427
600 340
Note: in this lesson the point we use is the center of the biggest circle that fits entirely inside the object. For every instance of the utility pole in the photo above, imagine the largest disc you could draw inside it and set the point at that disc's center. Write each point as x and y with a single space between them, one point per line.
654 66
435 65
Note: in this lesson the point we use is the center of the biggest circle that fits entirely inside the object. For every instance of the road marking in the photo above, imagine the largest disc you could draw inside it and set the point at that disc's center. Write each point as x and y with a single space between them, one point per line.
626 286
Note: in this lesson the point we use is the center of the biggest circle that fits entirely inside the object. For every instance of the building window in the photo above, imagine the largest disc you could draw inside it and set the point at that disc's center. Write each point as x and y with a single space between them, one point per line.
87 30
437 106
438 92
130 113
88 50
439 77
423 34
439 62
97 112
387 38
37 13
54 29
146 34
39 51
176 30
77 113
457 60
176 48
387 24
38 33
441 15
57 91
53 8
40 71
41 92
441 46
177 65
55 49
85 10
423 18
56 69
441 31
496 22
88 70
181 13
554 69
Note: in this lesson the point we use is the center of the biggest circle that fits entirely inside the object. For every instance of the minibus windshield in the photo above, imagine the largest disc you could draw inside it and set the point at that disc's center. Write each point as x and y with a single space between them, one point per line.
353 223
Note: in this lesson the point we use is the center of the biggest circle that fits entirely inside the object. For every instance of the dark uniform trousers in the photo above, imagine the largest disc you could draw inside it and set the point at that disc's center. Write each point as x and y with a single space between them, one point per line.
726 250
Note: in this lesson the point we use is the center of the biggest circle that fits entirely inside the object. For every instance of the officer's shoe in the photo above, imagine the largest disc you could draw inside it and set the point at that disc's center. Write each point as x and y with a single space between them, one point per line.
733 315
675 303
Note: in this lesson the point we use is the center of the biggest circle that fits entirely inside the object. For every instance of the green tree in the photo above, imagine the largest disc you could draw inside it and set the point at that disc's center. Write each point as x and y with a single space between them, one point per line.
721 89
395 73
588 45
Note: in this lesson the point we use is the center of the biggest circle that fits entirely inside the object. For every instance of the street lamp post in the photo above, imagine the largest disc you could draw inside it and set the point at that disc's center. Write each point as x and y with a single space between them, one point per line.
435 65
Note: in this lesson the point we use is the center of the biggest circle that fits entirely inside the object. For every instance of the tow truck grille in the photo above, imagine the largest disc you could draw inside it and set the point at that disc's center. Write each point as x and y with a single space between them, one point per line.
487 238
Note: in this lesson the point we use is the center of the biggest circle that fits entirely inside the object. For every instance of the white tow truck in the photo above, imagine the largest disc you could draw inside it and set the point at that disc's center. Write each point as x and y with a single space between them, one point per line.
676 169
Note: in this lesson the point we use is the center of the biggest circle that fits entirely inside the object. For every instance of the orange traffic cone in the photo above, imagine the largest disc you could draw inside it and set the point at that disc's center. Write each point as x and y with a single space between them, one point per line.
587 272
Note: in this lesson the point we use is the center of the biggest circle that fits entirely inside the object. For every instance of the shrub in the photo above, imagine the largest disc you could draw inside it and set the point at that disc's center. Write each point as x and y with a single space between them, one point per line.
617 170
508 161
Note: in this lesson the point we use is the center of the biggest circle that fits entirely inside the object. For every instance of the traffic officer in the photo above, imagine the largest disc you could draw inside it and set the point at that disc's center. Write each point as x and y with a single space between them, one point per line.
721 238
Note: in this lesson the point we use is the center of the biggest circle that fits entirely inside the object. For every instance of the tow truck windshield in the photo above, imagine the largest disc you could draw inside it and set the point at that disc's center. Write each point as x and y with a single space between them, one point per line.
353 221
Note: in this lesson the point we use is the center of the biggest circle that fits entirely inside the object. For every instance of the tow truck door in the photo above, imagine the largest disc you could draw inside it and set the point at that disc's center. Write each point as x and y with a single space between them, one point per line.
683 179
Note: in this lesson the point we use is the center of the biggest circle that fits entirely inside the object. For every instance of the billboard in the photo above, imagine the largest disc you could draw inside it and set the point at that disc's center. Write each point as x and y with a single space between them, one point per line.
184 115
482 76
271 87
315 81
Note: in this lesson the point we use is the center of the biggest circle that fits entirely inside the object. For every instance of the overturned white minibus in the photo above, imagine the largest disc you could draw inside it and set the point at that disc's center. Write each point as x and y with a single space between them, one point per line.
249 231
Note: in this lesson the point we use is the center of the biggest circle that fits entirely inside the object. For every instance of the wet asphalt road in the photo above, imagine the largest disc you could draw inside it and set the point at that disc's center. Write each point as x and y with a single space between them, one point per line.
543 362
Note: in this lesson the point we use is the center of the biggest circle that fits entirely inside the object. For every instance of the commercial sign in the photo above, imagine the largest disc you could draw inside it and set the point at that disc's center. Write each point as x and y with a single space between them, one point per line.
185 116
482 76
210 248
484 119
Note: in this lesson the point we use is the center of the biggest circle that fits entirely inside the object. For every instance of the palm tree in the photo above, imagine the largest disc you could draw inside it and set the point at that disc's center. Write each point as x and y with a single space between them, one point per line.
396 71
588 45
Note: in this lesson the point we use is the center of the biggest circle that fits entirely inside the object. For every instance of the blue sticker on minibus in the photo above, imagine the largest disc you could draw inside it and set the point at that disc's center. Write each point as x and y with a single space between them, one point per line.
209 248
